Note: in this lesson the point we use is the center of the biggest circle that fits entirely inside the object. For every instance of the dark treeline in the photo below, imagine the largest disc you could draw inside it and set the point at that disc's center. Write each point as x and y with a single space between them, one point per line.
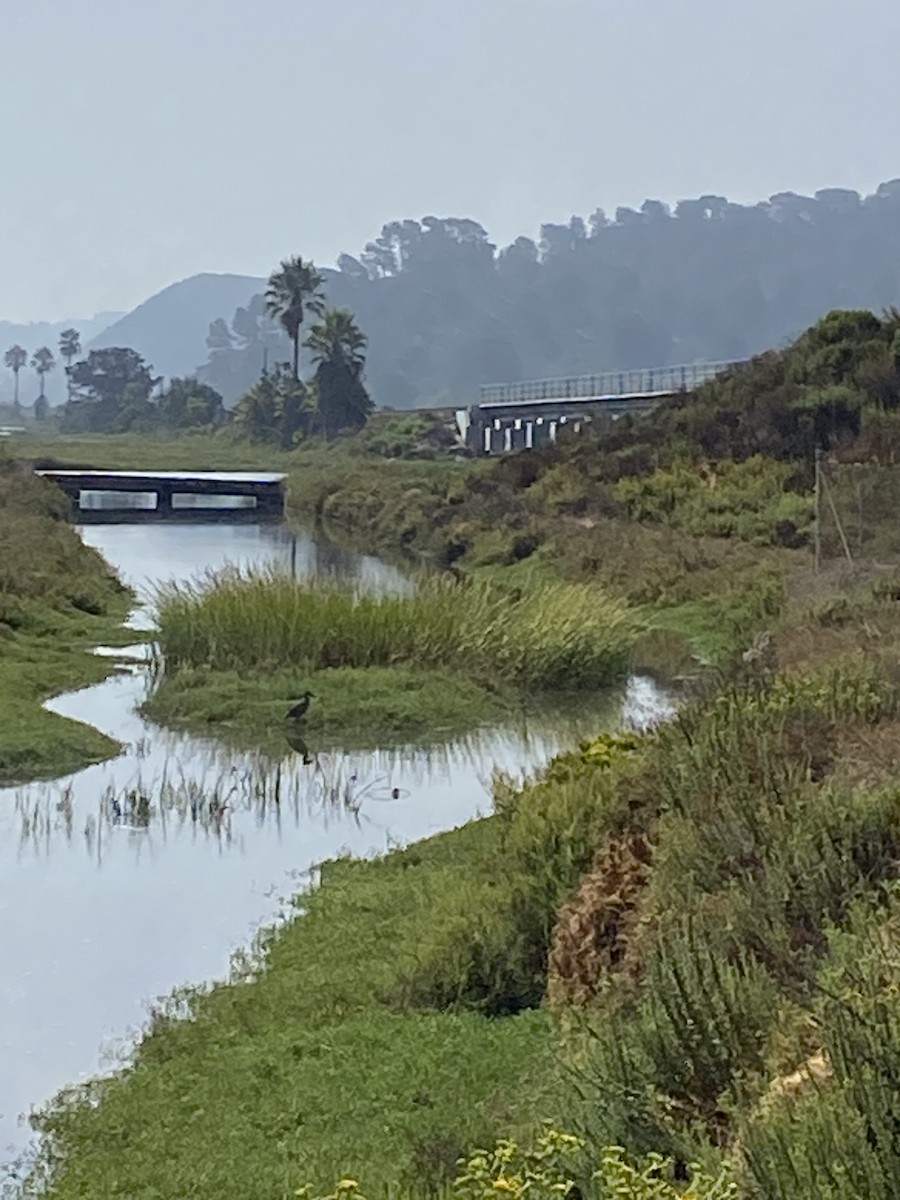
446 311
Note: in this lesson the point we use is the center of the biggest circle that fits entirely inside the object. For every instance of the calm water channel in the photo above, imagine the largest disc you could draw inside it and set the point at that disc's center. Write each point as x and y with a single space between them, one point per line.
108 903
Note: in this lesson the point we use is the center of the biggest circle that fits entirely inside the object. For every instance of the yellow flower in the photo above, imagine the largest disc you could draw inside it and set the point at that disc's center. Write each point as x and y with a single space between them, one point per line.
347 1185
503 1185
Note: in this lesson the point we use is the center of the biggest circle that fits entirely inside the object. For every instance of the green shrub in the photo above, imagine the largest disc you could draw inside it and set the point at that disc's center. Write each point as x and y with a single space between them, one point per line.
751 500
838 1139
671 1066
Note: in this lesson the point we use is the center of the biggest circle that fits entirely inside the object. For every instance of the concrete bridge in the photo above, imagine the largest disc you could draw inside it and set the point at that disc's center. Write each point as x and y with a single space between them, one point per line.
117 496
519 416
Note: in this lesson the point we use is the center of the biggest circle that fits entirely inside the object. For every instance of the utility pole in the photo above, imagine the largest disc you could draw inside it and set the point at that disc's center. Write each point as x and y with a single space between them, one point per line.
817 520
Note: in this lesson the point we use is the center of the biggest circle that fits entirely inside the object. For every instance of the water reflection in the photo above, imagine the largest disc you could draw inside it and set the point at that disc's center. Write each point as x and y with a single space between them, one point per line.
140 874
147 555
168 786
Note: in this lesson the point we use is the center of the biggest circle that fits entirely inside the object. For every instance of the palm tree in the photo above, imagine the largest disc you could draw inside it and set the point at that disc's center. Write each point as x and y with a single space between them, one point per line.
294 289
338 347
338 340
43 361
15 358
69 349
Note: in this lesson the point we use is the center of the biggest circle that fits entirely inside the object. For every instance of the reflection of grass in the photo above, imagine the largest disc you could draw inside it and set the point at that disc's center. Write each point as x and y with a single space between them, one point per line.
172 800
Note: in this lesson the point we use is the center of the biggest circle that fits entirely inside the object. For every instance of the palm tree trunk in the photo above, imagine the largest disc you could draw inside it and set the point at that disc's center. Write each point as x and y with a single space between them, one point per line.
16 389
297 357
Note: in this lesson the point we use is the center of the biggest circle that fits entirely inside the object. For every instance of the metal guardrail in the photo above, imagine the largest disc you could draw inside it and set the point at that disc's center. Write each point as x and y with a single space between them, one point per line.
649 380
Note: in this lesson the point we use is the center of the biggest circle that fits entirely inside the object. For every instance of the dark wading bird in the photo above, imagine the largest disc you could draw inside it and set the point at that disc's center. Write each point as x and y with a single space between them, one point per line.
298 712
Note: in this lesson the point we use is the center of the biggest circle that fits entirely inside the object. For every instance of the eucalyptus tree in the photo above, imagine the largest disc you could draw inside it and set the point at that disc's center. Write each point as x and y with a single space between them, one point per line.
16 357
111 391
294 290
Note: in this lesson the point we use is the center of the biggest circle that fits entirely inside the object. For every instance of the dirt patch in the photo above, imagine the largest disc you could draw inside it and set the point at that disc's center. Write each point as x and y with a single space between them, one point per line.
593 937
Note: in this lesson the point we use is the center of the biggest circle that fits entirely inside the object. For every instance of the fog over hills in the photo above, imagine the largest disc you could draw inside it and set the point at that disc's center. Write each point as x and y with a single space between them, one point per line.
445 309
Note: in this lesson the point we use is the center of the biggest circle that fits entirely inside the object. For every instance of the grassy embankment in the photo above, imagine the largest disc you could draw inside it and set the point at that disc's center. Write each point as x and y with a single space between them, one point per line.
58 599
689 938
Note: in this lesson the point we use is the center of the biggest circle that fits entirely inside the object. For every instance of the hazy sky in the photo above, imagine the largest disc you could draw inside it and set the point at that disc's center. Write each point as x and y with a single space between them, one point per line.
144 142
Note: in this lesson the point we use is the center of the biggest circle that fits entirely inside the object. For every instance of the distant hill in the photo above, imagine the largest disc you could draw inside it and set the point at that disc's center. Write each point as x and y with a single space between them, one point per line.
170 328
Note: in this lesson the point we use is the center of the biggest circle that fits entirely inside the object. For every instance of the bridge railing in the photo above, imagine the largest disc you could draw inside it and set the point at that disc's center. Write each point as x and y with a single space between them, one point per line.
649 380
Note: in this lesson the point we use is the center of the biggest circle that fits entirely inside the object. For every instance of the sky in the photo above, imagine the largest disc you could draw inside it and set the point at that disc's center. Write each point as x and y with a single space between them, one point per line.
147 142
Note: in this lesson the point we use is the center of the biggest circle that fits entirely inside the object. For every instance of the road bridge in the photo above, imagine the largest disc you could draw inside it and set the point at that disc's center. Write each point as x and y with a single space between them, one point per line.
118 496
519 416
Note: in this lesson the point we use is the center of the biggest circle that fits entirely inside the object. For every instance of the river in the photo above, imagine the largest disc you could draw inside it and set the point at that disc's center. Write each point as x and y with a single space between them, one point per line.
123 881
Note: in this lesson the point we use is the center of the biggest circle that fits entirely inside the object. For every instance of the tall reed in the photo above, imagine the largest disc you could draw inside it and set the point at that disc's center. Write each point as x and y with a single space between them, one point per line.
554 636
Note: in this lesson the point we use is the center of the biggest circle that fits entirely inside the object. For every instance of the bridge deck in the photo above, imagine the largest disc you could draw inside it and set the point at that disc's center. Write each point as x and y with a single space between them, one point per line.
626 399
640 381
200 477
171 495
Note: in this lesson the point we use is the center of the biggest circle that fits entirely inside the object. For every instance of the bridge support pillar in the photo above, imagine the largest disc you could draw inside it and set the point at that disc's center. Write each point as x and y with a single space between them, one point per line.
164 500
517 436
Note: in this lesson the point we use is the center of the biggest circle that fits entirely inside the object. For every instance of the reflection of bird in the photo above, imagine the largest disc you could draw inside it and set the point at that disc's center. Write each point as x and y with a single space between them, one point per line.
298 712
296 742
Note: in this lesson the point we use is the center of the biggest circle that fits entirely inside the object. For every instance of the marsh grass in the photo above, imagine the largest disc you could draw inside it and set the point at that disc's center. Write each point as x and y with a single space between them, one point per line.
171 801
555 636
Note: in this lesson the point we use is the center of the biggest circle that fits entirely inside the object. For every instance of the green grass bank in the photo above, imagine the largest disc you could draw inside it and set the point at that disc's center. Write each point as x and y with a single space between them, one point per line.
58 599
333 1061
353 708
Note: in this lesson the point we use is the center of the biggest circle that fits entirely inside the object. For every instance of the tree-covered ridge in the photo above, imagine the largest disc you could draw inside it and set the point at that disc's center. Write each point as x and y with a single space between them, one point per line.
446 310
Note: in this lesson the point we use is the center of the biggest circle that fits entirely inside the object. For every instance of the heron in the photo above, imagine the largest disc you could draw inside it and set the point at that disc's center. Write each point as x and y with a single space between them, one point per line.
298 712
